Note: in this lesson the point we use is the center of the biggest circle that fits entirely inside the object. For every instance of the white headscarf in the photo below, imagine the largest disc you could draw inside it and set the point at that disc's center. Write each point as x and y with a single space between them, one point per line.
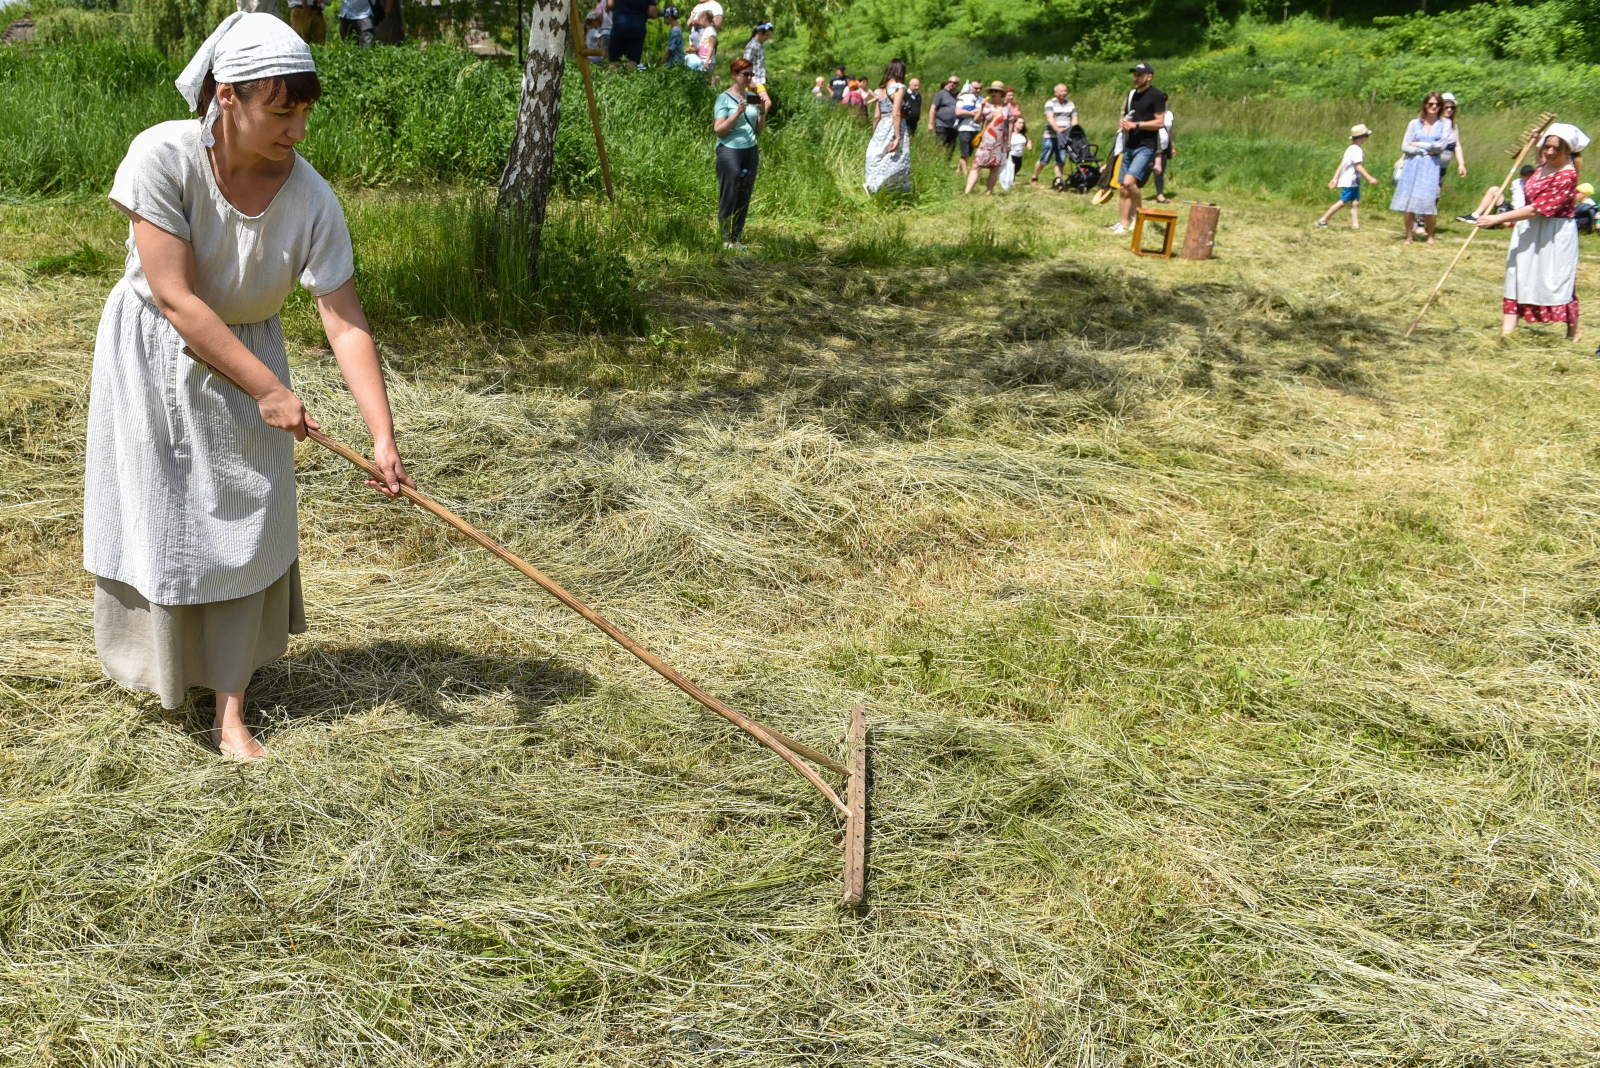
1575 138
243 47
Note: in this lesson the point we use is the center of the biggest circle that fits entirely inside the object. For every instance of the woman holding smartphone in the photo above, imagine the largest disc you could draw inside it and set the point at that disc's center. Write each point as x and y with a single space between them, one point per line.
739 116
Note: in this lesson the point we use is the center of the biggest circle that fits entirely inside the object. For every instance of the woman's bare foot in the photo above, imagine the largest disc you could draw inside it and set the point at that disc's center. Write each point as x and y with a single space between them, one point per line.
1574 335
239 746
233 738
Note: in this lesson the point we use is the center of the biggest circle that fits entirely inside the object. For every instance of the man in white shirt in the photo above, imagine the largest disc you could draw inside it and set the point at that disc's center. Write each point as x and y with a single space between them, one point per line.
357 19
1060 115
967 104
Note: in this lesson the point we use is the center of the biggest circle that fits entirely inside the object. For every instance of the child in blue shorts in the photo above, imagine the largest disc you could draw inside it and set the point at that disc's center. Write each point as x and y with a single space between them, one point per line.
1347 179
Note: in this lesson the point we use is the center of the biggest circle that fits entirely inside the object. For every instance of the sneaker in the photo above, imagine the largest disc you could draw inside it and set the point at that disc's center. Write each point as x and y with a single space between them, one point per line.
1118 228
1466 218
1322 224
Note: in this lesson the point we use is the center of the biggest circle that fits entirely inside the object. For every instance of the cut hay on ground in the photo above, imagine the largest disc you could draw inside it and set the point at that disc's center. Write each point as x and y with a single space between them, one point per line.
1230 666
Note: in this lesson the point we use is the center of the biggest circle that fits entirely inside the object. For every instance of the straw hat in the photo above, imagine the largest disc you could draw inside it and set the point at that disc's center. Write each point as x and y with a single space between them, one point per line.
997 84
1359 130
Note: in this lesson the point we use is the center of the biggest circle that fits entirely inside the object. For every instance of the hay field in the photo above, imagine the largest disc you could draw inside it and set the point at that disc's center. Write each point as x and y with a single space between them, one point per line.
1230 665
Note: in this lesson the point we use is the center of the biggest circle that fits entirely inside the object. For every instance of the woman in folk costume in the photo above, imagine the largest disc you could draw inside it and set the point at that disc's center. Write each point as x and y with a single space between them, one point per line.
1542 263
189 503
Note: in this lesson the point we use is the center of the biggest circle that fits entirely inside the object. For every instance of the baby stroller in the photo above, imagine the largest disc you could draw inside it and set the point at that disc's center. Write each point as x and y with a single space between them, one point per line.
1086 162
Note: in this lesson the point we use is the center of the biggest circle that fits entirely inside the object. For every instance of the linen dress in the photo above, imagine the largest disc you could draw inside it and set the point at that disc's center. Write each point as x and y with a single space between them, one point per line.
1542 262
189 496
884 169
1417 189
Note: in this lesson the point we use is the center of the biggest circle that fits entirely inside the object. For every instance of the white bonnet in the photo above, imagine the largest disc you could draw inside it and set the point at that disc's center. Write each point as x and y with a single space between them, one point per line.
1574 137
244 46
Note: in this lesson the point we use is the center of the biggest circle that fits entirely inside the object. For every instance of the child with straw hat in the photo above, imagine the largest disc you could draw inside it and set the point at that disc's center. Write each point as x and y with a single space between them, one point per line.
1347 178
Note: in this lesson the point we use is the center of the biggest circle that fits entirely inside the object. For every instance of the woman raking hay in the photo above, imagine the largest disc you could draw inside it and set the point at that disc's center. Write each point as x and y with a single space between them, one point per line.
189 501
1542 262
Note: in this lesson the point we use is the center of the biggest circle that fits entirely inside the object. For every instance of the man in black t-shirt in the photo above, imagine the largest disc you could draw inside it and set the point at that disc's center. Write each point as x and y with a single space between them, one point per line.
1142 118
839 83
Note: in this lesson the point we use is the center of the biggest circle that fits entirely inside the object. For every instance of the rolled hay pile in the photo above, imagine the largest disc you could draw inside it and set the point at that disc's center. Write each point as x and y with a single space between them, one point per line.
1231 685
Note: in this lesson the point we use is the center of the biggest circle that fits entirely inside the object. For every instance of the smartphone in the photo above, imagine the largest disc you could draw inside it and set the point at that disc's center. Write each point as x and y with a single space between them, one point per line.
752 98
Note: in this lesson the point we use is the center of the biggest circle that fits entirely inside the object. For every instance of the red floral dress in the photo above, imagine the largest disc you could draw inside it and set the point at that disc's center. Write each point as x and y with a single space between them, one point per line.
1550 195
995 146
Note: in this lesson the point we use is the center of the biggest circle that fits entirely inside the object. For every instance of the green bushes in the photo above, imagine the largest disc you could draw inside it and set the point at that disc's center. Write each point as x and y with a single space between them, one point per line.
1489 57
393 114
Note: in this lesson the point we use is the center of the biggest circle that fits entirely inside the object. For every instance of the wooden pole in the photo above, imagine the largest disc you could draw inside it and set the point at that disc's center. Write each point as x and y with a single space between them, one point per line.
583 52
1527 143
786 748
855 823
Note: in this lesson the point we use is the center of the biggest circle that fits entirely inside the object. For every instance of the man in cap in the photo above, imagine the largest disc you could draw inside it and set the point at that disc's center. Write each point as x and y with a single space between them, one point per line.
1143 115
756 52
942 118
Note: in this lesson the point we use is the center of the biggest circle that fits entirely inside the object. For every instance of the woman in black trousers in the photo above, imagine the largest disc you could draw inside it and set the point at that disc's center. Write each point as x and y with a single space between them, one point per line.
737 121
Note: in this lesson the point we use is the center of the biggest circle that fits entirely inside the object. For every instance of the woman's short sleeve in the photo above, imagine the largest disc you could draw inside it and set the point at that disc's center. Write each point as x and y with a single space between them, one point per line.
1552 197
330 260
152 181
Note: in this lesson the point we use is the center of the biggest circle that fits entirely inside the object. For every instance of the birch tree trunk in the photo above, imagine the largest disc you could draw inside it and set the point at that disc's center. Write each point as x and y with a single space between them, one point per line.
525 183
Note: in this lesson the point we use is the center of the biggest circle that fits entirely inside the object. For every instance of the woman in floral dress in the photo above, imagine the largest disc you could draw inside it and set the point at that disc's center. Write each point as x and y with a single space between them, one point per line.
994 144
888 153
1542 263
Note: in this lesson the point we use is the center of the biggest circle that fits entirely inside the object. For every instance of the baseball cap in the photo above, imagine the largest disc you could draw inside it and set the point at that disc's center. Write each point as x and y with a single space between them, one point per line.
1141 68
1586 189
1359 130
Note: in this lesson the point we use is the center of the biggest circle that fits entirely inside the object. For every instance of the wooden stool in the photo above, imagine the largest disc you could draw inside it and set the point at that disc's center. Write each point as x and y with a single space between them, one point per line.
1169 221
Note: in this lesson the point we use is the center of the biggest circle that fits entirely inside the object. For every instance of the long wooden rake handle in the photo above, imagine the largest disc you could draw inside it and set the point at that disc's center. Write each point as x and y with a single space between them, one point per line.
787 748
1527 143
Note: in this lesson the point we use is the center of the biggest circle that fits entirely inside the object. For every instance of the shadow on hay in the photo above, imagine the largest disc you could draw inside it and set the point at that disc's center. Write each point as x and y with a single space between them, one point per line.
434 681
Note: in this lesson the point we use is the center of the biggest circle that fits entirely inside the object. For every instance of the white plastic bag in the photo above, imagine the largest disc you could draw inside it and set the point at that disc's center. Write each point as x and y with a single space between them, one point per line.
1008 173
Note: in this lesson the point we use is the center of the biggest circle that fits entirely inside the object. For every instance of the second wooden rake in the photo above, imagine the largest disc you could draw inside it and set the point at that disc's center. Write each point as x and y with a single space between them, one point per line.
1529 139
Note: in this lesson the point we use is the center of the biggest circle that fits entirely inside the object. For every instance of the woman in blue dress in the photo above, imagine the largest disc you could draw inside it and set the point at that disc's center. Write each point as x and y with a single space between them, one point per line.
1416 190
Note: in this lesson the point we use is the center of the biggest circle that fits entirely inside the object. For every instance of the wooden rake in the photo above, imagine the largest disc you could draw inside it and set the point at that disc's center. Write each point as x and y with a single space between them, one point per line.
1529 139
853 809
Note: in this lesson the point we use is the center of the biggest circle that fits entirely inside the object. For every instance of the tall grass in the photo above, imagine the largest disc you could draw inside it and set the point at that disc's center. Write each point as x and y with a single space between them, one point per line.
447 257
